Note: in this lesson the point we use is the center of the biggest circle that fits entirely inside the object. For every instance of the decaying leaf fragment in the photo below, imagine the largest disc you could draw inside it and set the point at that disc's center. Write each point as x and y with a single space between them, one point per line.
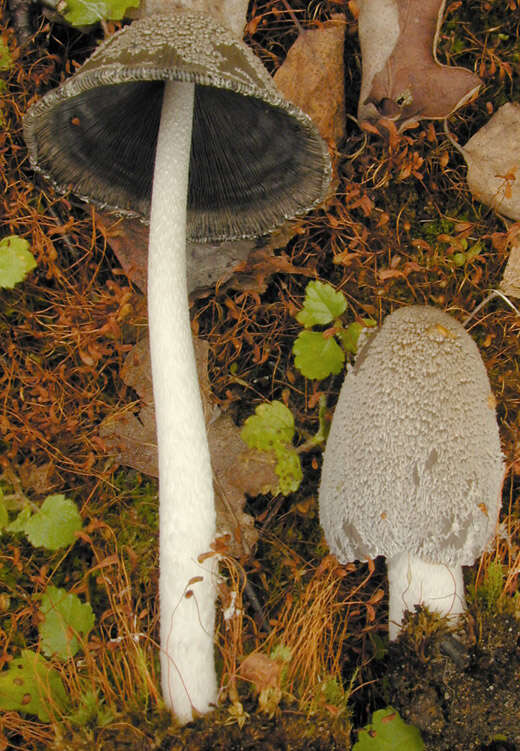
402 80
493 159
510 283
237 470
312 76
207 263
241 264
265 674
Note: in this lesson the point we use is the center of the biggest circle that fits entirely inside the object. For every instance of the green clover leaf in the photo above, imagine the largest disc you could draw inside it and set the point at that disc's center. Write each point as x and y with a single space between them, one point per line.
317 356
16 261
55 524
87 12
65 618
388 732
322 305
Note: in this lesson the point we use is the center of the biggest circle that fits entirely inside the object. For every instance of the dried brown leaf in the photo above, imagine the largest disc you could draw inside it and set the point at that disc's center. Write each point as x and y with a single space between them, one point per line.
402 79
493 159
207 263
510 283
262 671
38 478
312 76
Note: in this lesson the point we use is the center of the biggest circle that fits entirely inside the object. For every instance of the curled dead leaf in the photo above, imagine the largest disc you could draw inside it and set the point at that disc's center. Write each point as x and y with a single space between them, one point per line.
402 80
493 159
260 670
312 76
510 283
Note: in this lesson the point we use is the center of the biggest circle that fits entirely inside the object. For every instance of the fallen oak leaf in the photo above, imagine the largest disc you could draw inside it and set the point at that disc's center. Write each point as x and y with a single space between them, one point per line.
241 265
402 80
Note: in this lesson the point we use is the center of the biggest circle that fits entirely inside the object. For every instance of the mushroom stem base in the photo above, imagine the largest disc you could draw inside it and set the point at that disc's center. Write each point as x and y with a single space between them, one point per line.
413 581
186 503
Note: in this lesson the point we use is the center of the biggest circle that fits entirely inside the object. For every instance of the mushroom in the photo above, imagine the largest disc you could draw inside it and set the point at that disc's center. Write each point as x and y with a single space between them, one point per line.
413 467
177 100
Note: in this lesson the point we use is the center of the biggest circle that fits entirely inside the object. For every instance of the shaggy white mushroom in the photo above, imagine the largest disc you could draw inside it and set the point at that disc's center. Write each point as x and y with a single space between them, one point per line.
413 467
232 160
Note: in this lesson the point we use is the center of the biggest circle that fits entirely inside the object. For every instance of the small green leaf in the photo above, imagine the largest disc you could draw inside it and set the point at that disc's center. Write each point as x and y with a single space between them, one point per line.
16 261
459 259
317 356
18 524
30 685
87 12
4 516
322 305
281 653
289 470
350 336
5 56
333 692
272 425
65 618
55 524
388 732
271 428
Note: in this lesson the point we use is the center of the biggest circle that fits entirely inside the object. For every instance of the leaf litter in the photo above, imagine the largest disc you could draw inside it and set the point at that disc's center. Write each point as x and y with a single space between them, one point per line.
388 238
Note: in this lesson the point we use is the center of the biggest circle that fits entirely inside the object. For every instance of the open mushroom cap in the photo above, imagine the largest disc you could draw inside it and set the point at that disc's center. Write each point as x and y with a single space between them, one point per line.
256 160
413 460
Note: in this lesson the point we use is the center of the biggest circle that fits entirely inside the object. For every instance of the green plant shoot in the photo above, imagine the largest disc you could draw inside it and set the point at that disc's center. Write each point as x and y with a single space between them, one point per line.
16 261
321 306
65 618
271 429
318 354
53 526
87 12
388 732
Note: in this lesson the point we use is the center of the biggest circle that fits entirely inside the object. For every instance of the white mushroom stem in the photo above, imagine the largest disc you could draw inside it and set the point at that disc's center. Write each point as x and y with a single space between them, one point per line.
186 503
412 581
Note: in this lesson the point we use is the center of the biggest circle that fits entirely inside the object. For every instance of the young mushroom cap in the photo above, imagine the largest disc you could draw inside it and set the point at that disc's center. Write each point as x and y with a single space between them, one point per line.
256 160
413 466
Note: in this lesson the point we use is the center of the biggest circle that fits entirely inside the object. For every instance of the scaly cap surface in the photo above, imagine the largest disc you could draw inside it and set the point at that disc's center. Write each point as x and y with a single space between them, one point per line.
413 459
